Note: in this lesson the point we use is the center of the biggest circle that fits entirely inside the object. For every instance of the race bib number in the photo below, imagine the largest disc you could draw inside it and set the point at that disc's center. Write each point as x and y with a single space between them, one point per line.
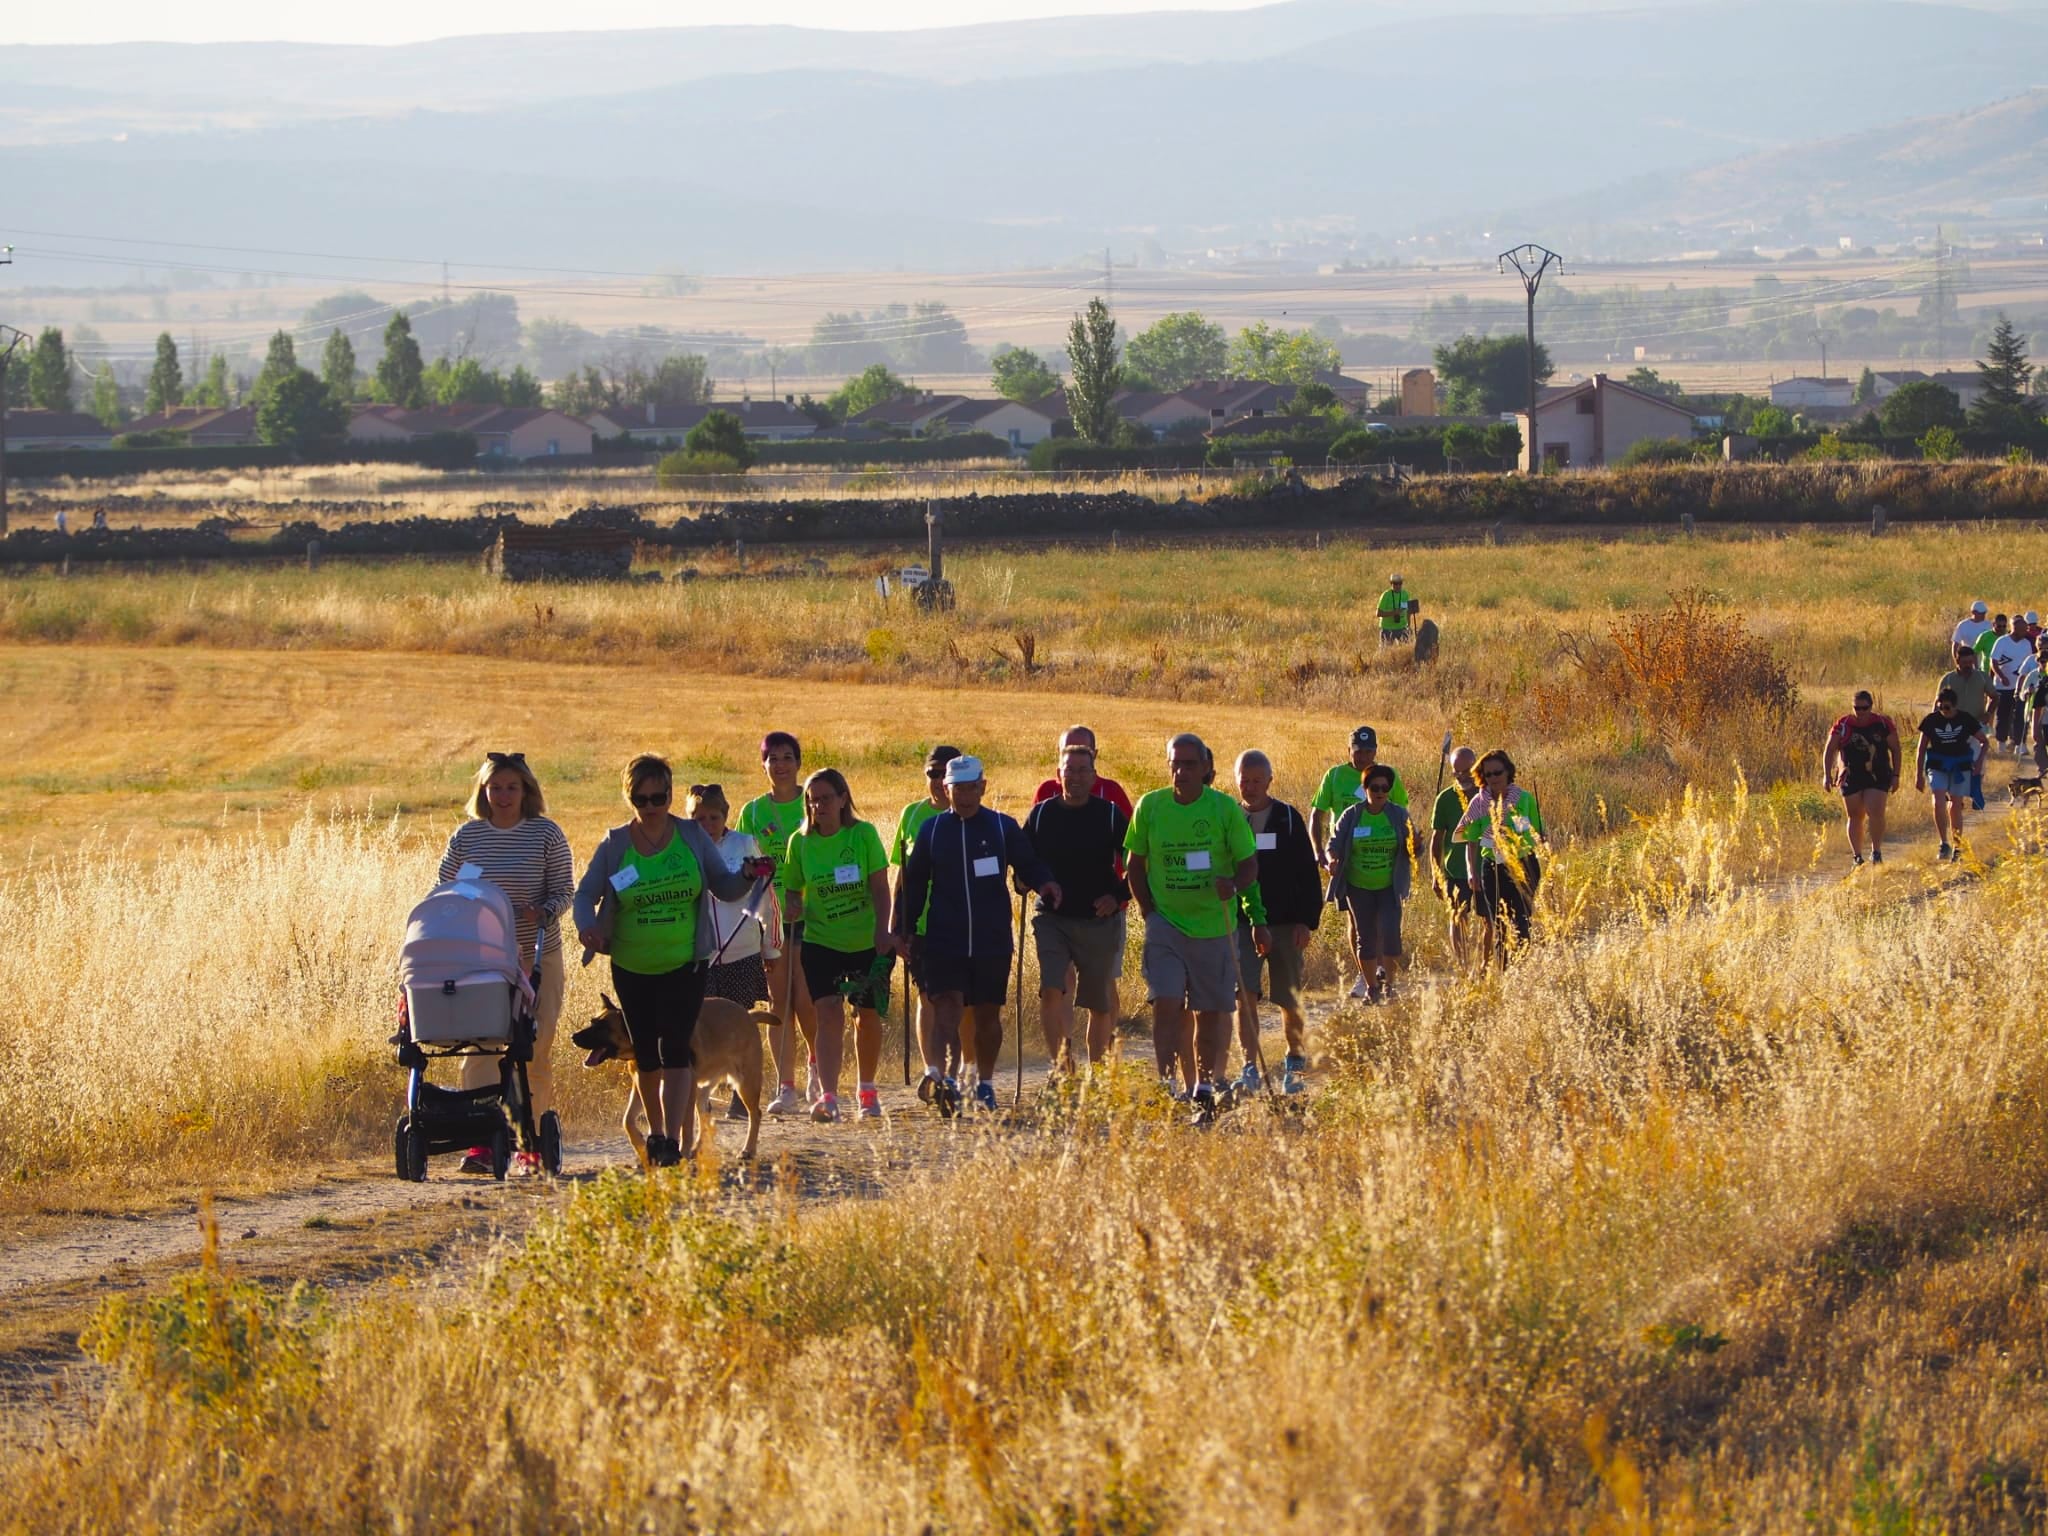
470 872
1267 841
1198 860
988 864
1361 831
846 874
626 879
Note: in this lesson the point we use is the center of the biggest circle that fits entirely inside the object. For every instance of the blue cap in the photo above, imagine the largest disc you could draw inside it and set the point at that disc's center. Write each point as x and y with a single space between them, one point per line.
1365 736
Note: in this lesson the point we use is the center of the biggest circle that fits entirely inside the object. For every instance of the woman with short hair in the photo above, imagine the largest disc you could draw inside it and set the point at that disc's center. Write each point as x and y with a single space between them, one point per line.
1506 825
646 900
526 856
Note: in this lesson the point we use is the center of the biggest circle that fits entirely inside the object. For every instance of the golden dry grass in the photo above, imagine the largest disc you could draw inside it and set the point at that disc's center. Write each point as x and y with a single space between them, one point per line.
1720 1213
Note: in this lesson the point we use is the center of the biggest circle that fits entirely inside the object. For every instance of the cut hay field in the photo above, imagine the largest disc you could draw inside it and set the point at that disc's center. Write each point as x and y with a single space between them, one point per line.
1720 1210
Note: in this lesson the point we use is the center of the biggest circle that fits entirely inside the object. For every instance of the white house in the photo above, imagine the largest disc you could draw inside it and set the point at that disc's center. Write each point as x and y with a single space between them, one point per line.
1587 425
1017 422
1965 384
1801 393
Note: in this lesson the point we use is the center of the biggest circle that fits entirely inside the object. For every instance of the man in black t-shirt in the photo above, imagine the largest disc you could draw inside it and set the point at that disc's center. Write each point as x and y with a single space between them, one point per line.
1080 836
1952 747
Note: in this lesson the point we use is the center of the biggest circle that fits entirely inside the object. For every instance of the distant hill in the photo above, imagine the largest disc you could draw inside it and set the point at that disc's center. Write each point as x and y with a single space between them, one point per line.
778 149
1985 163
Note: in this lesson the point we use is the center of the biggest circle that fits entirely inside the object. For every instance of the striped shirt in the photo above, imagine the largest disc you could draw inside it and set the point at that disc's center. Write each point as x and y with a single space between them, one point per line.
529 863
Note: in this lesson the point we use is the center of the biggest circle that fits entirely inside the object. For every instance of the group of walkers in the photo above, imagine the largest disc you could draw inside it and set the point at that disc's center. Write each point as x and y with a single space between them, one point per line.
797 903
1994 696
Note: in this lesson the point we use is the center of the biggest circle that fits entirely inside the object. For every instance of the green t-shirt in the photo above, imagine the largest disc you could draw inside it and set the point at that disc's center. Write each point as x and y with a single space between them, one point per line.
1982 646
657 927
1514 832
1444 817
1372 852
1186 849
1344 786
1393 609
831 873
772 822
914 816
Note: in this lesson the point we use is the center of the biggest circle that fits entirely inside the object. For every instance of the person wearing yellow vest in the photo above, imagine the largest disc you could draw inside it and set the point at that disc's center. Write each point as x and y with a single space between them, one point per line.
643 902
1504 827
1395 607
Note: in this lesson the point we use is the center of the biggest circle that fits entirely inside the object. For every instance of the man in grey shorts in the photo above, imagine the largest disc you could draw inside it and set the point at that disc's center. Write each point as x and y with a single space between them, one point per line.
1191 856
1080 836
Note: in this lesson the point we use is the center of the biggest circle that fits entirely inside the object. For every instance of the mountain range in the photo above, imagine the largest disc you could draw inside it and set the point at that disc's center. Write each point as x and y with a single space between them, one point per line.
777 149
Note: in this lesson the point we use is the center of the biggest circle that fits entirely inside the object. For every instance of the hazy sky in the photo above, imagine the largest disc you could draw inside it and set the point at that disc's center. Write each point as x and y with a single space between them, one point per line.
405 21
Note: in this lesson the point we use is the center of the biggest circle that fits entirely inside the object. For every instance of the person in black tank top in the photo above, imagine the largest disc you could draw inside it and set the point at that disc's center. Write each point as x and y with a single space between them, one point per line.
1861 759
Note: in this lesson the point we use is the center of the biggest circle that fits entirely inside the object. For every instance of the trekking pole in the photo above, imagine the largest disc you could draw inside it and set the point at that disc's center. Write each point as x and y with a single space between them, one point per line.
1023 902
909 1022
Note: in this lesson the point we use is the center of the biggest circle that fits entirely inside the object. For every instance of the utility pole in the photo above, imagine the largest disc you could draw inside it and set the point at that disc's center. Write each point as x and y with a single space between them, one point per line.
1821 337
1530 263
13 339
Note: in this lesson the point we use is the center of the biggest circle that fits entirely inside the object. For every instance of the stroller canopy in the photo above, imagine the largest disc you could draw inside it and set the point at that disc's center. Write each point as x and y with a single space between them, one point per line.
462 930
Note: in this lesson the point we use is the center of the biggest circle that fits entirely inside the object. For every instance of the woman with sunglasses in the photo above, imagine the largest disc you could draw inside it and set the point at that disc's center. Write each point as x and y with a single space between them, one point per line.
771 820
836 880
1951 754
526 856
1862 759
1506 825
646 900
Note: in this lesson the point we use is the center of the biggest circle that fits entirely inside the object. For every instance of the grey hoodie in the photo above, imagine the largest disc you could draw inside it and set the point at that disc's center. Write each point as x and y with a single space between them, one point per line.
594 894
1340 850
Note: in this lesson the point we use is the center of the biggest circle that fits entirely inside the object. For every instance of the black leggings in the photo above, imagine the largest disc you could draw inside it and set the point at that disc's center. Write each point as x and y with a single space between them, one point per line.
1499 890
661 1014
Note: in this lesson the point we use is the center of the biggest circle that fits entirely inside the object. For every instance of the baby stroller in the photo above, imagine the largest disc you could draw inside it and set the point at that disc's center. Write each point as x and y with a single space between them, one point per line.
463 993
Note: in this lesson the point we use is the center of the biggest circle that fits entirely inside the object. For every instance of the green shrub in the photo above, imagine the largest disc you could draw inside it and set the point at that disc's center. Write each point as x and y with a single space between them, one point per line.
683 465
1940 444
1219 456
1658 450
1356 447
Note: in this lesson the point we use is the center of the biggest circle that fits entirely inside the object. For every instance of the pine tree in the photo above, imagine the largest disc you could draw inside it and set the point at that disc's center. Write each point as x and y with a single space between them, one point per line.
338 366
2005 374
1866 388
166 387
400 370
1096 376
49 372
280 362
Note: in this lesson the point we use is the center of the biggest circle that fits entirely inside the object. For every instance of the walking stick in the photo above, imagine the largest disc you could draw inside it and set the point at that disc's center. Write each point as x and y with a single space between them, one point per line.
909 1023
1023 902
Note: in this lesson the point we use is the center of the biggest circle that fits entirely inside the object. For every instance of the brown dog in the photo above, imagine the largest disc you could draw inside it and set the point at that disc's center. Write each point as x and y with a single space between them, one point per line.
727 1045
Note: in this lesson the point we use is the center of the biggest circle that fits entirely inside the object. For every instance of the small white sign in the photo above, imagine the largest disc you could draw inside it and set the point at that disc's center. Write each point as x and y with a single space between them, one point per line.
626 879
1361 830
988 864
1266 841
1198 860
914 575
1359 793
846 874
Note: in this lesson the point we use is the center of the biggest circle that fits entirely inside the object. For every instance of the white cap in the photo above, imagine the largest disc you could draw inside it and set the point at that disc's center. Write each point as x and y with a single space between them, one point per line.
2033 617
964 770
1978 606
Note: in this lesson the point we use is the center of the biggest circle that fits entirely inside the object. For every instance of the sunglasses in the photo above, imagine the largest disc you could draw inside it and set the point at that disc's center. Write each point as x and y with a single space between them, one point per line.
649 802
506 759
1493 773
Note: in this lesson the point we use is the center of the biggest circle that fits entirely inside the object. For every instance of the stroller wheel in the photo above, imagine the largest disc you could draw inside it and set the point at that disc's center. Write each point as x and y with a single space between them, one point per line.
410 1151
551 1144
501 1150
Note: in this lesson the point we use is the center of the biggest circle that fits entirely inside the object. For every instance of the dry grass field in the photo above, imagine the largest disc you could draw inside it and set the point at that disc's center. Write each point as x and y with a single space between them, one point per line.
1718 1211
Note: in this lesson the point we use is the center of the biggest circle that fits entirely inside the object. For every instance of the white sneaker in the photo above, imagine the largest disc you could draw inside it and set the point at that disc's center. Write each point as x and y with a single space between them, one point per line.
785 1103
1361 989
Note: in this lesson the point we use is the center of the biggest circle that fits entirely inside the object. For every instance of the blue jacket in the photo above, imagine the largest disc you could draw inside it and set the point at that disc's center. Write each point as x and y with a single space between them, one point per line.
959 865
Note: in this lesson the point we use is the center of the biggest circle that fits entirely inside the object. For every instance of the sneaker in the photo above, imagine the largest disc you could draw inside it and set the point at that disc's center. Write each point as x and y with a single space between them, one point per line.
927 1087
526 1165
826 1110
477 1160
946 1095
985 1097
664 1151
1877 855
785 1102
1204 1101
1248 1079
870 1104
1293 1074
1857 857
1943 854
737 1110
1361 989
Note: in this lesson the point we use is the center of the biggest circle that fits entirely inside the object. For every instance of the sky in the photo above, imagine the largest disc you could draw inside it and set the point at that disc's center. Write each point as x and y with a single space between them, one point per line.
407 21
